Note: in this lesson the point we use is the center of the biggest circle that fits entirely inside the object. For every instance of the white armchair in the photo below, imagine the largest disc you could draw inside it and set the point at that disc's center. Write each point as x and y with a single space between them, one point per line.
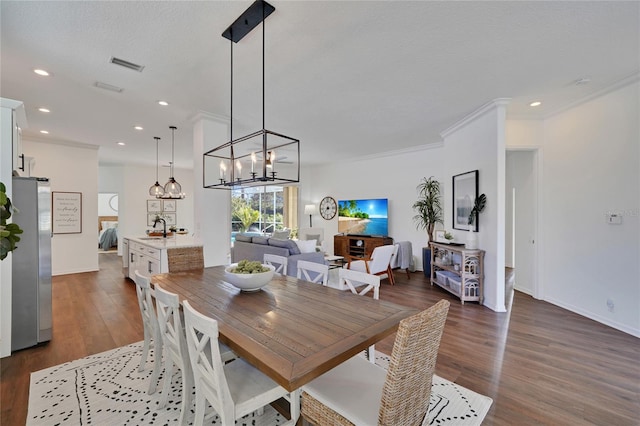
379 263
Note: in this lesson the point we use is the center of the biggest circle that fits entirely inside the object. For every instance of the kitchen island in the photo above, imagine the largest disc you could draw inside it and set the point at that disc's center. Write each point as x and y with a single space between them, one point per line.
157 255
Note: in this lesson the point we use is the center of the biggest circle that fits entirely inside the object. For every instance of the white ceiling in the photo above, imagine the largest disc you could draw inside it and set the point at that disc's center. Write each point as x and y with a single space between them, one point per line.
346 78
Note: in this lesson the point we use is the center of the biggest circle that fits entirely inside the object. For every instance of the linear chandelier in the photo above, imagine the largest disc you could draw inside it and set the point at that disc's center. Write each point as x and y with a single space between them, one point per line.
263 157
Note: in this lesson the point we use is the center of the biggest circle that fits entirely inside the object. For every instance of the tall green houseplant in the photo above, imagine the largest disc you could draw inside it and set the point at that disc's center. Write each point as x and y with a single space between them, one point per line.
8 231
428 206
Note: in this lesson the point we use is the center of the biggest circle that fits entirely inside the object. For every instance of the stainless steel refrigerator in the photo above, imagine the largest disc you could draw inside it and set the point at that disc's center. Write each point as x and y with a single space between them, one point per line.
31 321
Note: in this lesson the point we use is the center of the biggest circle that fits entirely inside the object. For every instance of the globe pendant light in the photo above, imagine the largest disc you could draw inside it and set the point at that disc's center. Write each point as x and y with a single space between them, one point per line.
172 188
156 190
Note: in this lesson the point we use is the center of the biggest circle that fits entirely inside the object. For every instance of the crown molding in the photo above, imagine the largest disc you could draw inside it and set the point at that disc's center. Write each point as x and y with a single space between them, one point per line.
489 106
630 79
61 142
204 115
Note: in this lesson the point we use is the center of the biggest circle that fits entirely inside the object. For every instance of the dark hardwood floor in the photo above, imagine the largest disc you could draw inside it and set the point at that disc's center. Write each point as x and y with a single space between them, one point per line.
542 365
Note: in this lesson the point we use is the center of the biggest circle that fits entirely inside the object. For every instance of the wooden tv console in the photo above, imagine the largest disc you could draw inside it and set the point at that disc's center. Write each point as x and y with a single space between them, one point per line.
357 245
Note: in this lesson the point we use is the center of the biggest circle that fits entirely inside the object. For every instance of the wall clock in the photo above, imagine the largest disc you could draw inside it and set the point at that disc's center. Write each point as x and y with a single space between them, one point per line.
328 208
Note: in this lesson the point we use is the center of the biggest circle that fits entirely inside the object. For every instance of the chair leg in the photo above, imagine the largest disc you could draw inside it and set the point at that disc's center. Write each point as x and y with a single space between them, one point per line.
157 365
408 274
200 409
392 279
371 353
187 397
145 350
168 376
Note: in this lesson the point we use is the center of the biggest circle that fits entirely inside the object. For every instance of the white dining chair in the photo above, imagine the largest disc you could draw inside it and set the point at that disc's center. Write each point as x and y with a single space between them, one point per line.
379 263
359 393
175 349
234 389
314 272
278 262
352 279
151 329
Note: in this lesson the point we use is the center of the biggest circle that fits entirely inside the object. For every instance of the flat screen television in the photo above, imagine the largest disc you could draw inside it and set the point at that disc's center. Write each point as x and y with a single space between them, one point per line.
364 217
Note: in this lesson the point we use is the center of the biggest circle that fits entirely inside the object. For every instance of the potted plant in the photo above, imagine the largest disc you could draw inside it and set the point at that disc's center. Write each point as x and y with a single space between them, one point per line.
478 206
429 213
8 231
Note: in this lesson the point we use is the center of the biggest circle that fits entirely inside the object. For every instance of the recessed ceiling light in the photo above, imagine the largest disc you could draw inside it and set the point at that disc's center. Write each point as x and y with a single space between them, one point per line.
41 72
138 127
163 103
43 110
44 132
535 104
121 143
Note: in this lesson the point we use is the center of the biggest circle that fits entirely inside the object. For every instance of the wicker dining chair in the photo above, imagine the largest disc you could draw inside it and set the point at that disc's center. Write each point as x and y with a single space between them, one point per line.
357 392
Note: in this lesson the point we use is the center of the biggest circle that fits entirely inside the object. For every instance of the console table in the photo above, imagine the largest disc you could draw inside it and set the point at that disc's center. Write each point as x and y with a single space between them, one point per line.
357 245
458 270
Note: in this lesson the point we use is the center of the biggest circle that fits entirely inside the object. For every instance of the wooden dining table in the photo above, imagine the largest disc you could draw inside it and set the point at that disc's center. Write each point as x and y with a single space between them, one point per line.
291 330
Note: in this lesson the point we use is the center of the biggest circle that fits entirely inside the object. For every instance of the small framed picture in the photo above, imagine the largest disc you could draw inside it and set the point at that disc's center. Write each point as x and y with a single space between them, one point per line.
151 217
170 218
169 206
439 236
154 206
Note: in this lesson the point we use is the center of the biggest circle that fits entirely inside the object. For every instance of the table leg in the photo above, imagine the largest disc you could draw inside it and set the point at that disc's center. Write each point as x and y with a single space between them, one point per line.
294 406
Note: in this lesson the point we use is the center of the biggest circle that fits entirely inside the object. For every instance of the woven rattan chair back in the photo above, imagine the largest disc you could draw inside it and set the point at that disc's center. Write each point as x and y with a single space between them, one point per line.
407 389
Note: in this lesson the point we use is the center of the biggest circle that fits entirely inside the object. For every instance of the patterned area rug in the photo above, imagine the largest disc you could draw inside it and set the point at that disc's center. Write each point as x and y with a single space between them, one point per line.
107 389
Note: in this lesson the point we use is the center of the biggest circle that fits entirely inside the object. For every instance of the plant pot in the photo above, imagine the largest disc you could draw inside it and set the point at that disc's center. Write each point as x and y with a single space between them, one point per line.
472 240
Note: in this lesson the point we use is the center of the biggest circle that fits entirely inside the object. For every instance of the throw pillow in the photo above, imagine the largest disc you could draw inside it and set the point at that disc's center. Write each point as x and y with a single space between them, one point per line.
260 240
243 238
306 246
281 235
312 237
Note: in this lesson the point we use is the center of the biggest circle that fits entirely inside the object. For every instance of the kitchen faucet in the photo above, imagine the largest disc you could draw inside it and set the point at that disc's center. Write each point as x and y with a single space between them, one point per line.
164 222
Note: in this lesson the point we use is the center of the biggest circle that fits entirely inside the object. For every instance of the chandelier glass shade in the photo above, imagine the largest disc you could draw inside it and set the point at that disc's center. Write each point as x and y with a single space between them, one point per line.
156 190
172 189
260 158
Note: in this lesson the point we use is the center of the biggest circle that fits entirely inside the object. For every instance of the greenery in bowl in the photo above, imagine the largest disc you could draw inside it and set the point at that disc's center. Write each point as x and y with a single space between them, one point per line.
249 267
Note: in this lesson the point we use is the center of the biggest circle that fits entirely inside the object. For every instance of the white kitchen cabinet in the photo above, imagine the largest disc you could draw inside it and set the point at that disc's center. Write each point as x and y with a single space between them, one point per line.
151 255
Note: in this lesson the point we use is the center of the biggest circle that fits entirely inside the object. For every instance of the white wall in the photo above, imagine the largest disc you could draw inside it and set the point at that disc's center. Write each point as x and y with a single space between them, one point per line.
473 144
71 168
478 142
132 184
591 166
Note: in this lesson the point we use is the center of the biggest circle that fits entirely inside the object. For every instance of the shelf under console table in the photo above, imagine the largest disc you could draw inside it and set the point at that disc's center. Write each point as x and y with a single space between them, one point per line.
458 270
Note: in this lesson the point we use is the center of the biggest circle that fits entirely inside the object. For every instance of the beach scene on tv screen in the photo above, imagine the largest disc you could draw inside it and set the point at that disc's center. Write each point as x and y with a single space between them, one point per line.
366 217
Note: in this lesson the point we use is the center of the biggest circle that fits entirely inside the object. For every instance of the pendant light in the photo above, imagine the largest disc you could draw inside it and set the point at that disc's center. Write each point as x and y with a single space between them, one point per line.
156 190
172 188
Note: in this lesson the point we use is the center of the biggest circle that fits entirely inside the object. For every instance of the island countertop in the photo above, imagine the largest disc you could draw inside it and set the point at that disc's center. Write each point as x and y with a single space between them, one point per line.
176 241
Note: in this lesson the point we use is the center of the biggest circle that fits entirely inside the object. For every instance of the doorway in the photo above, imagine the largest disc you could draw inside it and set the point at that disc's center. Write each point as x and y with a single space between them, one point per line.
522 210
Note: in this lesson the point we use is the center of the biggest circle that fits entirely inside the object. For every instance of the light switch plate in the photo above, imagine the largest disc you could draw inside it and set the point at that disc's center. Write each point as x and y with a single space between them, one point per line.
614 219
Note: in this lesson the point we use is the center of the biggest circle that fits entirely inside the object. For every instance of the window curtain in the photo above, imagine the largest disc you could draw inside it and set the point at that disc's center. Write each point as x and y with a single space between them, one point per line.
290 218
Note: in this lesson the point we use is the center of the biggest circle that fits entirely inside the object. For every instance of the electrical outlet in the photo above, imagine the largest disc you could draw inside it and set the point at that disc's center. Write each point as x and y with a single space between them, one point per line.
610 305
614 219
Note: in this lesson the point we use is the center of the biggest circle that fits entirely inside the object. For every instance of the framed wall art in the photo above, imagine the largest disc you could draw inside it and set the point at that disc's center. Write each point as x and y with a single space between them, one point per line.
169 206
66 210
154 206
170 218
465 191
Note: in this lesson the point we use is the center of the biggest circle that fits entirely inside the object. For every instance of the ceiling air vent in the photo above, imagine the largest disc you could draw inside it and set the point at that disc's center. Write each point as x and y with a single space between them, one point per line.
110 87
126 64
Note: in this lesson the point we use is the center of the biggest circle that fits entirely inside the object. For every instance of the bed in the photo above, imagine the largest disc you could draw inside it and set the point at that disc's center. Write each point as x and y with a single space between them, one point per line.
107 232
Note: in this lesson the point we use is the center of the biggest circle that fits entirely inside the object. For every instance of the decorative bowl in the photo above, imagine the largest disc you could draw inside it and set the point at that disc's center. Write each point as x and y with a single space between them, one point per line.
248 282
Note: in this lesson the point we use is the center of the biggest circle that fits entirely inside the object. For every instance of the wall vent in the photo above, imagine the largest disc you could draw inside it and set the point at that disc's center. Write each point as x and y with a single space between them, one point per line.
106 86
126 64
